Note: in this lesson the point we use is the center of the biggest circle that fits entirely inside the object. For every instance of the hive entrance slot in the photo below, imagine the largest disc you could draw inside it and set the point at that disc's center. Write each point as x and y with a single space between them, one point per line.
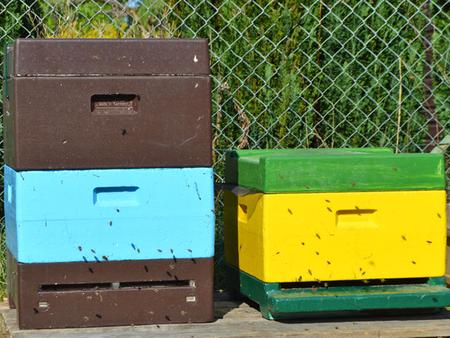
75 287
114 104
155 284
344 283
115 285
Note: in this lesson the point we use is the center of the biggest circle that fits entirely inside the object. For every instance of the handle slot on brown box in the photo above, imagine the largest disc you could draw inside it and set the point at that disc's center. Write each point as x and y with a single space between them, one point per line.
114 104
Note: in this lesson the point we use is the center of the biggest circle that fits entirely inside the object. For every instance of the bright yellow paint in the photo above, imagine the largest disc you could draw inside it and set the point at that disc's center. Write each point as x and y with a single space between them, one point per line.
337 236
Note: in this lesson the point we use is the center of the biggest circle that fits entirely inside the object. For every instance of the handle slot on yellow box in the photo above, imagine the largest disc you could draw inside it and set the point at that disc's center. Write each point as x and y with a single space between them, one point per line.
356 218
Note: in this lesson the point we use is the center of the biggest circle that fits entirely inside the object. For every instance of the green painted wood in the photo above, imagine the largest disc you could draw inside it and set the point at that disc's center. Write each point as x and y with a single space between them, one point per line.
277 303
334 170
246 158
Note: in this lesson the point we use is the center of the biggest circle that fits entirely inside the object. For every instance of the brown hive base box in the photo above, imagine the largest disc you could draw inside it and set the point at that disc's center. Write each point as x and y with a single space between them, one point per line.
74 104
59 295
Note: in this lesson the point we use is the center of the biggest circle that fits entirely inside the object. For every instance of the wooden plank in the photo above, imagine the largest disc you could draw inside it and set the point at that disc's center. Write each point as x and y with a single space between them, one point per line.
334 170
241 320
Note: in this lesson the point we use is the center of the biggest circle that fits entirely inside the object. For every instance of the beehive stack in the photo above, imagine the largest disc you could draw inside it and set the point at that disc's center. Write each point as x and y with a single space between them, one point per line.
334 230
108 182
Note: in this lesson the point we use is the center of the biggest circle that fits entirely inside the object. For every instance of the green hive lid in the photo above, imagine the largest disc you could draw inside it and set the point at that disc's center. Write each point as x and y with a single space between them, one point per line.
334 170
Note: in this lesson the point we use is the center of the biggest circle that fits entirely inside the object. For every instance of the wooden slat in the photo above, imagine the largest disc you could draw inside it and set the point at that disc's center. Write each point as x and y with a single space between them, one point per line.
241 320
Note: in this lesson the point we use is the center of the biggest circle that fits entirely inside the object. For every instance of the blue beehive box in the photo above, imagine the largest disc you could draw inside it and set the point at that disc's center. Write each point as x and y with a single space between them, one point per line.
109 214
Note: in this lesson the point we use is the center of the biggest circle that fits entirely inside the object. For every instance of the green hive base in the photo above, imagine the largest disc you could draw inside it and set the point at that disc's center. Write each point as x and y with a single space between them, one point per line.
278 303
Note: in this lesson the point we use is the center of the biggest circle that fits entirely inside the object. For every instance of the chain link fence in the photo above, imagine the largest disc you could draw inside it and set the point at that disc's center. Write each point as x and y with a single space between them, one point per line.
320 73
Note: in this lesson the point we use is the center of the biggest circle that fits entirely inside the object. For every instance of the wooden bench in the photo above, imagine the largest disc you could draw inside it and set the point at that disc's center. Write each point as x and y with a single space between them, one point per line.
238 319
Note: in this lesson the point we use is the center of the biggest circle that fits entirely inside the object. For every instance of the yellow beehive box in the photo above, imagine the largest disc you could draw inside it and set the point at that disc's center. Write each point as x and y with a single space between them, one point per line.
336 236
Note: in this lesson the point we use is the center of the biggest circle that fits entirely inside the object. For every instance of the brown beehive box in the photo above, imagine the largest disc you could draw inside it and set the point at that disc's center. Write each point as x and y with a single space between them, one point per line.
80 294
72 104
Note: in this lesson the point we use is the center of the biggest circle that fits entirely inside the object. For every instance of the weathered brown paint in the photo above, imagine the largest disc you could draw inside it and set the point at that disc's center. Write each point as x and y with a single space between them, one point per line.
97 57
111 116
56 123
57 295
